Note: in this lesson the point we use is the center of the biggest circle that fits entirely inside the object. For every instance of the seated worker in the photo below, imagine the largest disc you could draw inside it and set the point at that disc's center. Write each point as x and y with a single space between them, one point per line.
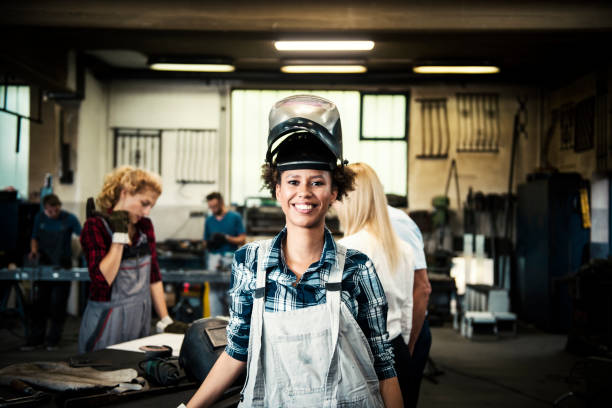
307 317
50 245
223 234
119 245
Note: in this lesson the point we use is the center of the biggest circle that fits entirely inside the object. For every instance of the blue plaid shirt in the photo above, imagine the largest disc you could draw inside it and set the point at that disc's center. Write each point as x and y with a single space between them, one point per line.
362 293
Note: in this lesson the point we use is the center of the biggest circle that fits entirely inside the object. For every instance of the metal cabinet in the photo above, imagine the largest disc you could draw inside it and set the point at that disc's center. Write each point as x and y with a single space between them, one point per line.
551 243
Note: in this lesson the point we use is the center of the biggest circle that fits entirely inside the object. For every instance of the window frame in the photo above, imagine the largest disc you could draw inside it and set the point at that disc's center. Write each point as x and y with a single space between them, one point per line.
404 138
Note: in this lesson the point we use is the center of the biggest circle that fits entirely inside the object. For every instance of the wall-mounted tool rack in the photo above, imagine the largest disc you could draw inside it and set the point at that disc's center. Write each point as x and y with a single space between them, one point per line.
197 156
478 122
567 123
435 133
585 125
138 147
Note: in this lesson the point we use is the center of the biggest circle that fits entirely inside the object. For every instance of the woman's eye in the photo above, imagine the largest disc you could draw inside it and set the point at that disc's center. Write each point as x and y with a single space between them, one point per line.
317 183
293 182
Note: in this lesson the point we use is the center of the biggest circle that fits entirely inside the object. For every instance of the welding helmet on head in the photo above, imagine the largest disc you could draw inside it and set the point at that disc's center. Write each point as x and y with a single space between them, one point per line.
304 133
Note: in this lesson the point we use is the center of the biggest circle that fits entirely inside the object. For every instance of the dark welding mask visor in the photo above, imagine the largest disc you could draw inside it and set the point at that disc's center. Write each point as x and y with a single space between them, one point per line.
303 150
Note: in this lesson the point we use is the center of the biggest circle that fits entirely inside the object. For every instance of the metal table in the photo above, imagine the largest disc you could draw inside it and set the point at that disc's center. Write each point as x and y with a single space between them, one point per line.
51 273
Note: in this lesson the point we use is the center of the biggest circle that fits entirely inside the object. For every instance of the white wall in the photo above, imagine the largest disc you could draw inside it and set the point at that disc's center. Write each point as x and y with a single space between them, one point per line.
92 149
138 104
171 105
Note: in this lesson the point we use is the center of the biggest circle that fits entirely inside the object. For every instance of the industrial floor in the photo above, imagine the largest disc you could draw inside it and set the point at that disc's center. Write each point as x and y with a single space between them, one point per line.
529 370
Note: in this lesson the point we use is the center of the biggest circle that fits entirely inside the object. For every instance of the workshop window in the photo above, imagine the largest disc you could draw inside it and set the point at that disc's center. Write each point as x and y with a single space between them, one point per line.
15 140
383 117
249 130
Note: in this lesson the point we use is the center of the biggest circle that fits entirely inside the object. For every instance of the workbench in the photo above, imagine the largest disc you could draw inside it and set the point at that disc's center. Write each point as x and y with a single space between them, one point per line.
155 396
51 273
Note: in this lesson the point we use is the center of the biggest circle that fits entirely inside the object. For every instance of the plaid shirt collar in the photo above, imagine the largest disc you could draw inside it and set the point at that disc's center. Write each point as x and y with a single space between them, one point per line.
276 256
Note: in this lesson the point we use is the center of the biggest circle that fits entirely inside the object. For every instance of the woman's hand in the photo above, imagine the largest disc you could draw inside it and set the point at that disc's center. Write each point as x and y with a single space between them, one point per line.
119 222
391 393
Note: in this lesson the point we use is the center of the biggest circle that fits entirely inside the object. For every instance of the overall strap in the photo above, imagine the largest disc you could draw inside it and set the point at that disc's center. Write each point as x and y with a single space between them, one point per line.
255 338
333 297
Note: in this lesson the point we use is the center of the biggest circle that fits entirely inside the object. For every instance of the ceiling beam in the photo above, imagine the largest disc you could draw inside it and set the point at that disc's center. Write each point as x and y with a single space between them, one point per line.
340 16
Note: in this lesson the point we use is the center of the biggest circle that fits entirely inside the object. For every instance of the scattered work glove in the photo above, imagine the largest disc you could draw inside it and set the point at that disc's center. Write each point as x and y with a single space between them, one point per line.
177 327
217 241
119 222
163 323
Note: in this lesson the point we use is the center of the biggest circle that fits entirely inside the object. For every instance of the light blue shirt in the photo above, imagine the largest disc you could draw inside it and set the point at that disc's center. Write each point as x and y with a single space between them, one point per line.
409 232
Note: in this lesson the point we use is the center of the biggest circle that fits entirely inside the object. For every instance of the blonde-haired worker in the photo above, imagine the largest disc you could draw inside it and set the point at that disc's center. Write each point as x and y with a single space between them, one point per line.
365 221
119 244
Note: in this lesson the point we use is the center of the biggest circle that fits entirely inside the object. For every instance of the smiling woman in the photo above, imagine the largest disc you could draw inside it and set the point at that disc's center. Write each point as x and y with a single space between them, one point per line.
119 244
325 309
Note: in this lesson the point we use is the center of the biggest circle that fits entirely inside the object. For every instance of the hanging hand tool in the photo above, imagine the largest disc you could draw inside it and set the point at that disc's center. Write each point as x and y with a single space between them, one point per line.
519 128
435 137
441 203
423 128
478 121
453 169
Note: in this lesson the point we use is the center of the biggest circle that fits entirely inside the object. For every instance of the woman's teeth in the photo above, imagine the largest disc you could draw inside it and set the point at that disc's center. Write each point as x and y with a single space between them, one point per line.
303 207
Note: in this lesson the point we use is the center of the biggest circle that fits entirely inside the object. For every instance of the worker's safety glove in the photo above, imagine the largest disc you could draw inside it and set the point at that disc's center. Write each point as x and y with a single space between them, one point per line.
119 222
217 241
163 323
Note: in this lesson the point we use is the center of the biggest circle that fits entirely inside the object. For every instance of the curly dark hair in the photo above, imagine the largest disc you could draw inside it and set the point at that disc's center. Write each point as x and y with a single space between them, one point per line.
343 179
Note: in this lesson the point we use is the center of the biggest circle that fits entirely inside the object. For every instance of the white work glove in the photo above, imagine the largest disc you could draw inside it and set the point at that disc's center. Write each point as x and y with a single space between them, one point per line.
163 323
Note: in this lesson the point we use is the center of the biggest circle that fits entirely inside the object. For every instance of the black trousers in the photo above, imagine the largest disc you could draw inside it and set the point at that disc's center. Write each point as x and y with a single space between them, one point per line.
50 301
410 368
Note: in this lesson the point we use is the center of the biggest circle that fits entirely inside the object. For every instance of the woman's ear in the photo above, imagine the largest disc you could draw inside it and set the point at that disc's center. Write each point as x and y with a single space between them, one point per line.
334 194
277 191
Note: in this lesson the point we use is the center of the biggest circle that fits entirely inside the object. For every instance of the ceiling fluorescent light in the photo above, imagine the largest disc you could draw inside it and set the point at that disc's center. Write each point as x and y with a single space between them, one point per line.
171 66
324 45
193 63
456 69
323 69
